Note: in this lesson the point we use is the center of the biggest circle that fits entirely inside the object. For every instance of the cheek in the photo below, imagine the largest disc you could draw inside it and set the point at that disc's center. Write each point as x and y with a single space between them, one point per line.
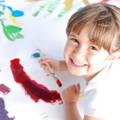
67 50
98 60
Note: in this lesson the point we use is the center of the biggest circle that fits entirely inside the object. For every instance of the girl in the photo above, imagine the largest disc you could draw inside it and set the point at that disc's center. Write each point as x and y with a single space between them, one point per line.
92 51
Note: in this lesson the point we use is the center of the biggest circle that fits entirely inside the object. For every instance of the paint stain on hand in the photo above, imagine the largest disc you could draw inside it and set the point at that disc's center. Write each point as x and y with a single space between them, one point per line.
33 89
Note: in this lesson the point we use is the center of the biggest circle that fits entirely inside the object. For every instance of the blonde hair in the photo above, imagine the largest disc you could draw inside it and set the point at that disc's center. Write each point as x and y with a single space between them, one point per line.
103 22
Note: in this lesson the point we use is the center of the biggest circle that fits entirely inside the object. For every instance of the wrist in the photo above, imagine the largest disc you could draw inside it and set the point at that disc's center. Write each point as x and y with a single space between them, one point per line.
70 103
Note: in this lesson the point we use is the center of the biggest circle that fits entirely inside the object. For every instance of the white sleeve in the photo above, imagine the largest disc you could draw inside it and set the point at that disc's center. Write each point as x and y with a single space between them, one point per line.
102 96
96 104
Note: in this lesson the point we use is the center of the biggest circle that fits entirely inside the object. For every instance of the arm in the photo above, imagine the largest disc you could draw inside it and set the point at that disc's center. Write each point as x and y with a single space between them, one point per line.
71 96
72 111
50 65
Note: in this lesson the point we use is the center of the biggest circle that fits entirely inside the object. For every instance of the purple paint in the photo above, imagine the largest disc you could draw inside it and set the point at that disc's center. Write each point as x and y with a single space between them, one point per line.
3 111
4 89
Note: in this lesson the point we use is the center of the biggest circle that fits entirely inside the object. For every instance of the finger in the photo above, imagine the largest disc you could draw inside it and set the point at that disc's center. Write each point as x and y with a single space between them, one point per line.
72 88
42 61
75 88
64 91
49 66
78 87
45 59
46 69
67 89
46 62
43 65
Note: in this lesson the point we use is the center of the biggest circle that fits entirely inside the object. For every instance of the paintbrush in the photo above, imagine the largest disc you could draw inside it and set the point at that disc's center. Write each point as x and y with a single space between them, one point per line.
56 79
52 72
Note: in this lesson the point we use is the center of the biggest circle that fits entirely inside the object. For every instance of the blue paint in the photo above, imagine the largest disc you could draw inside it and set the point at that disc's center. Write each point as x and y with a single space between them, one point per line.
10 8
36 55
17 13
2 0
3 7
3 111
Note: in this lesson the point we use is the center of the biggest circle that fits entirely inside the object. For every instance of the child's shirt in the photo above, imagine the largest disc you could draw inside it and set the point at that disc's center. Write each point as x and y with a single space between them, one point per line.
102 94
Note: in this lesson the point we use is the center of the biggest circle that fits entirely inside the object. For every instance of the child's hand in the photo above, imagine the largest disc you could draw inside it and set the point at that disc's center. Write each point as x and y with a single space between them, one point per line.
71 94
50 65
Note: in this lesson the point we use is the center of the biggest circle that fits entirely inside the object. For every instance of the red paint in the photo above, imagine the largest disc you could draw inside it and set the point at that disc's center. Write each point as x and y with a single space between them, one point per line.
59 83
104 1
32 88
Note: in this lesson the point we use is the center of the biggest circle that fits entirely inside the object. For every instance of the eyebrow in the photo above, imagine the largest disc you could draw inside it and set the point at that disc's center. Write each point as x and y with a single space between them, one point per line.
73 35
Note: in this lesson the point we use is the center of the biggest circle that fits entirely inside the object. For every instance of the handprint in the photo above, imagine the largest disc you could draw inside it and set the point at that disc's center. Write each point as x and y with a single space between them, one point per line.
11 32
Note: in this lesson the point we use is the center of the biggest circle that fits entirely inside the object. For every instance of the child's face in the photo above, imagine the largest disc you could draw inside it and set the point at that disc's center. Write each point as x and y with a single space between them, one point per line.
83 58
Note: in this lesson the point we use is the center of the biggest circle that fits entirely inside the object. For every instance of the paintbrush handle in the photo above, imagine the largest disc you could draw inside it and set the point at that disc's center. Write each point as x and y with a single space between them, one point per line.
52 72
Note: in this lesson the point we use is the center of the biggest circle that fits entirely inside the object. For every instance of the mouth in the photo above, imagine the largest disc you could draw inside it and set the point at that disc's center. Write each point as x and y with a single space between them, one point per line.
78 64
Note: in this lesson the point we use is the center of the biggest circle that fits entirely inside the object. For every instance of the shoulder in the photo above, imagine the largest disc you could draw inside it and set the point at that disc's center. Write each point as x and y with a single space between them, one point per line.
97 103
115 65
102 93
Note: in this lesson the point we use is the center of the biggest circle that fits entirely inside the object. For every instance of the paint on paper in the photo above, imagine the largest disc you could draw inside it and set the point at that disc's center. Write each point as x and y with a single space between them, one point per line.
3 111
32 88
11 31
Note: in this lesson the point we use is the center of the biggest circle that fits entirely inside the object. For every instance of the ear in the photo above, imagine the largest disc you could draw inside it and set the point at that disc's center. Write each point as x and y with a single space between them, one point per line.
115 55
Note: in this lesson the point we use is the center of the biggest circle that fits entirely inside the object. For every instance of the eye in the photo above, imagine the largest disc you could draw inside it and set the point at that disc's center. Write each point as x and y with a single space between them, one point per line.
92 47
74 40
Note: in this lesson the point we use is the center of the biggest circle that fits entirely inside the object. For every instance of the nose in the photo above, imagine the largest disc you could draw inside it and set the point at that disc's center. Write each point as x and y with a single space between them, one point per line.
79 54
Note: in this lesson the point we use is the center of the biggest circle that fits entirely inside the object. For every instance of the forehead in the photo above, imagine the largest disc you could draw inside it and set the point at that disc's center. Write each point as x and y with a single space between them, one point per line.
78 30
81 36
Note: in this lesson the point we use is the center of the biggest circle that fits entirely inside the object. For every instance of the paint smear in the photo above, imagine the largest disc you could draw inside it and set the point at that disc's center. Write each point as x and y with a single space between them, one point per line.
104 1
3 111
36 55
62 13
59 83
43 115
13 19
51 7
68 4
33 89
82 95
4 89
17 13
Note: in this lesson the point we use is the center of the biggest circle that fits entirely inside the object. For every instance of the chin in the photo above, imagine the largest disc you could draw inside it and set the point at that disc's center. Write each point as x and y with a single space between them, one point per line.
77 72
